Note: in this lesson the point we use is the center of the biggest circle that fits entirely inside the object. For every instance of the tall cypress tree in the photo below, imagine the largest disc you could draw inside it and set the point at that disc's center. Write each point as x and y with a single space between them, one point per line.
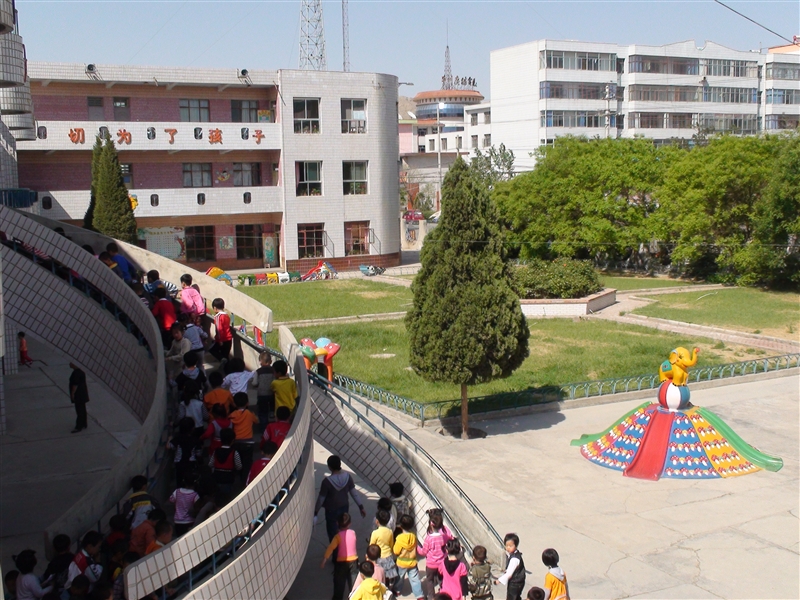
97 151
113 215
466 325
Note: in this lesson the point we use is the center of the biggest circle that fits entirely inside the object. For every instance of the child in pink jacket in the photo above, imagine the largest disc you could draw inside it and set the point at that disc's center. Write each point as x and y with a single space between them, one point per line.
453 572
433 549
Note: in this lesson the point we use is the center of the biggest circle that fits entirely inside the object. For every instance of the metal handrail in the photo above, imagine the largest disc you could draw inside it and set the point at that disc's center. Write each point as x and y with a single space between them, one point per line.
336 392
569 391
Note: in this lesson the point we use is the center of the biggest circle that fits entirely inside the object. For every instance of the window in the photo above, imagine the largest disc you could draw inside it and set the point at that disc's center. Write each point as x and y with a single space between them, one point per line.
306 115
194 111
487 117
487 140
196 174
244 111
549 59
646 121
95 108
473 119
200 243
783 71
354 116
354 177
309 178
41 132
248 241
730 95
311 240
444 144
680 120
246 174
717 67
47 202
782 122
122 109
741 124
775 96
459 142
153 199
473 141
432 145
356 238
127 175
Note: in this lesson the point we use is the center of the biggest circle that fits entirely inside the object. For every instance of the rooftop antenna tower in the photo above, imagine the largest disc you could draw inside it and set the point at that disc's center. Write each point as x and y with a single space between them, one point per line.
447 78
312 37
345 37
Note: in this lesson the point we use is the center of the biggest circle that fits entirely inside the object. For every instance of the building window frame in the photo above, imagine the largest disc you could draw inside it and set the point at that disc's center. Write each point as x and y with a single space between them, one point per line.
244 111
127 174
200 243
306 115
309 177
246 174
122 109
355 177
354 115
310 240
95 108
196 175
194 110
487 140
248 242
356 238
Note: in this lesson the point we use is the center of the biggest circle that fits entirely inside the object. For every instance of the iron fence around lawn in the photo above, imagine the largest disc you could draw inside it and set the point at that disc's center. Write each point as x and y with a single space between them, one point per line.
570 391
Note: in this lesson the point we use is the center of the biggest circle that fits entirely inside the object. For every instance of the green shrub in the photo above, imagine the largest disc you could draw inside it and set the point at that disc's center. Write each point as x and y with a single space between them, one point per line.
561 278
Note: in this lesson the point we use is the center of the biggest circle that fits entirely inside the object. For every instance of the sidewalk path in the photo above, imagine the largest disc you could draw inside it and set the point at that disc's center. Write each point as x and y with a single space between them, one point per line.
629 538
621 312
44 469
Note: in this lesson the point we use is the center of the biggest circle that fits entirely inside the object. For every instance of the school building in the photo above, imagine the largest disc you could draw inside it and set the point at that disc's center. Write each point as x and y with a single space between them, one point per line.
233 168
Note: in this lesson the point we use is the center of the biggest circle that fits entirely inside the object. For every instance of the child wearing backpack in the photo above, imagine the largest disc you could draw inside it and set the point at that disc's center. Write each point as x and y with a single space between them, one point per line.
219 423
480 575
225 462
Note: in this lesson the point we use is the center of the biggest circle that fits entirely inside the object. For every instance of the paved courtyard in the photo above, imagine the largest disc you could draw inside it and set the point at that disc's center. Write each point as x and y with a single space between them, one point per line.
44 469
629 538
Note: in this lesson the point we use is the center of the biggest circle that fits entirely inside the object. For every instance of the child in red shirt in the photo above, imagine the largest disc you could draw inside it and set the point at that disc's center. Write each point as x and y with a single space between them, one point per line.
215 428
223 340
276 431
268 450
164 312
24 359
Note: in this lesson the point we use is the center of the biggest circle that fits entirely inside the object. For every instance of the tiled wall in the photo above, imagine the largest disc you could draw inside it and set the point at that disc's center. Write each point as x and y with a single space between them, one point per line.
178 557
45 305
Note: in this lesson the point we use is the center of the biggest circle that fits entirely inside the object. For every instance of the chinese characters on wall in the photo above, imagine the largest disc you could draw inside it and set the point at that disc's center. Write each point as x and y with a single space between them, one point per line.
77 135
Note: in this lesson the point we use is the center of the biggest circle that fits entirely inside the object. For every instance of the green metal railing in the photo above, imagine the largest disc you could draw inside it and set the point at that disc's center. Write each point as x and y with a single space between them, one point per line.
570 391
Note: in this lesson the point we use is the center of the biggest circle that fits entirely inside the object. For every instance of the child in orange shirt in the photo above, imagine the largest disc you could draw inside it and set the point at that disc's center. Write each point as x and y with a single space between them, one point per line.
555 582
218 395
163 537
243 421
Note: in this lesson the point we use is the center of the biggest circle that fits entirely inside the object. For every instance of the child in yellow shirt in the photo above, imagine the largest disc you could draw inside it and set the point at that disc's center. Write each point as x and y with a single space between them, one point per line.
405 547
384 538
555 582
283 386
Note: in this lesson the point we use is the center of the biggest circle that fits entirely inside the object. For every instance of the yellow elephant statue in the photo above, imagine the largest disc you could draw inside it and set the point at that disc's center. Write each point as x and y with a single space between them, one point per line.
676 367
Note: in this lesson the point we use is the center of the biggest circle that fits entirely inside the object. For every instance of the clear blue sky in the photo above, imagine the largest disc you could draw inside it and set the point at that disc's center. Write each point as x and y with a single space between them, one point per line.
403 38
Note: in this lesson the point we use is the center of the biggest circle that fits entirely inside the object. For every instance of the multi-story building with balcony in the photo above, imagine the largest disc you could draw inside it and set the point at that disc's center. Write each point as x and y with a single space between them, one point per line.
548 88
226 167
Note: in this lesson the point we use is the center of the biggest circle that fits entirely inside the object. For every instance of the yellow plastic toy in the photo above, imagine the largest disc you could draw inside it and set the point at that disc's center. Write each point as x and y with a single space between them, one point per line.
676 368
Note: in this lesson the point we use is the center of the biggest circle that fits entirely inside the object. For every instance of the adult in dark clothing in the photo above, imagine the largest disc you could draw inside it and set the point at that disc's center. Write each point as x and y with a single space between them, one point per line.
333 496
79 395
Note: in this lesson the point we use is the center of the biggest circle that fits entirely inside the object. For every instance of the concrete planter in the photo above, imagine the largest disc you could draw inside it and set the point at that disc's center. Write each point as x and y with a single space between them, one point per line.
569 308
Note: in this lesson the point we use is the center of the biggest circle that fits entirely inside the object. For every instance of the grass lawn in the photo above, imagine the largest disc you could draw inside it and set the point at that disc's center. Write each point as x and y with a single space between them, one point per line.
755 311
562 351
326 299
622 282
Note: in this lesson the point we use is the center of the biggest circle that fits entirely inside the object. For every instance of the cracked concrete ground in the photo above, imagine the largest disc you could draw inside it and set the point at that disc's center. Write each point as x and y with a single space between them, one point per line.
628 538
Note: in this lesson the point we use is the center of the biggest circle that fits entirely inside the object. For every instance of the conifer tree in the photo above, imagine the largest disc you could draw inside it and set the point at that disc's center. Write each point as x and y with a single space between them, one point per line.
113 215
97 151
466 325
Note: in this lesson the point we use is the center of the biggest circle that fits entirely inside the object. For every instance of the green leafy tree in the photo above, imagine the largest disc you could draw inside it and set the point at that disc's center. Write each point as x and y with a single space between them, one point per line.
712 202
585 198
113 214
97 151
496 164
465 325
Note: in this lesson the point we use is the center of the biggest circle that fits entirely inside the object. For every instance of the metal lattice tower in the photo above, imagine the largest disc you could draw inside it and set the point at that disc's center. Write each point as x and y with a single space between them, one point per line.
312 37
447 78
345 37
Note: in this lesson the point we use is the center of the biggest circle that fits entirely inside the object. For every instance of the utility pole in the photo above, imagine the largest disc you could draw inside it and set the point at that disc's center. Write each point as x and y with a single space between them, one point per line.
312 37
345 37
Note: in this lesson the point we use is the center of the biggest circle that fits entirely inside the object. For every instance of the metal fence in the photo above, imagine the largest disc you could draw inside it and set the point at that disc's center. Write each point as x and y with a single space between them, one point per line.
570 391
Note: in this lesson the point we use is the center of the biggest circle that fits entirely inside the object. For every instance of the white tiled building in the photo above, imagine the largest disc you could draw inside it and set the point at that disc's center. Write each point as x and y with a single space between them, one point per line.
549 88
233 168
